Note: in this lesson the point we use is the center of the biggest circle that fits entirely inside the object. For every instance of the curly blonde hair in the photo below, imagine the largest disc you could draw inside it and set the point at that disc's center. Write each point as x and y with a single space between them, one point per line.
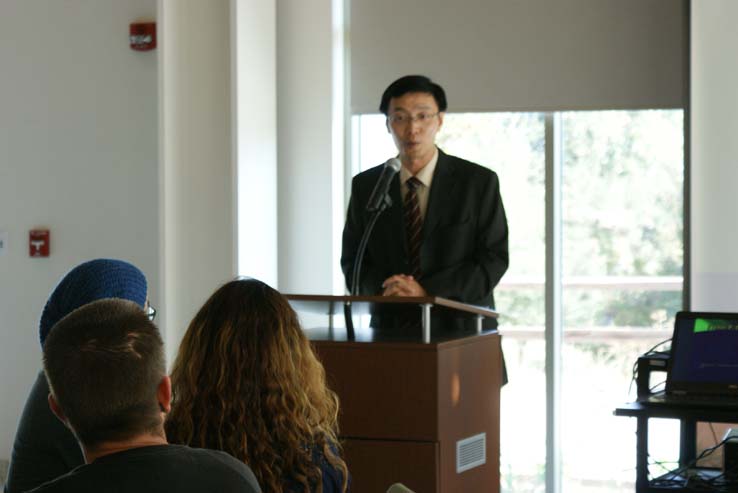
247 382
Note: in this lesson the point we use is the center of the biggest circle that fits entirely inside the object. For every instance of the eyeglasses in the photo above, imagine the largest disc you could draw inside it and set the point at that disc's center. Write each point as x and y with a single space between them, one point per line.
401 119
150 312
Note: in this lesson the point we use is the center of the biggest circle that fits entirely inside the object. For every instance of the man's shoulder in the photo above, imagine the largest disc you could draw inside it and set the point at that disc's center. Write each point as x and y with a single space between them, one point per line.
473 176
67 482
464 166
363 183
370 174
216 457
213 462
178 466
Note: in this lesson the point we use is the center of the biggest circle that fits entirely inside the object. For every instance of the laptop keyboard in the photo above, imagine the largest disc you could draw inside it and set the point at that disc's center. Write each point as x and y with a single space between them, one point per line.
704 400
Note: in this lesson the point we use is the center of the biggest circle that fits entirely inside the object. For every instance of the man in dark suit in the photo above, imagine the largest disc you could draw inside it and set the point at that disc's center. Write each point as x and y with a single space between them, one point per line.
446 232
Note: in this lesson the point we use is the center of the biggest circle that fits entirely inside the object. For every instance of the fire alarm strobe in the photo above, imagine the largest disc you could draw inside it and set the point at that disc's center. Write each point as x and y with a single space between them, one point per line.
39 243
142 36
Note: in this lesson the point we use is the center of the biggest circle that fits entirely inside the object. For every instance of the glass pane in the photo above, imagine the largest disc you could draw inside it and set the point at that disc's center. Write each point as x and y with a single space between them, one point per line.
375 144
512 144
622 263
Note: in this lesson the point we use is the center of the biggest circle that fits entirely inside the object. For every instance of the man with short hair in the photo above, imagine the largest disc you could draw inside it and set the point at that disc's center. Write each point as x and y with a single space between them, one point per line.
106 371
446 231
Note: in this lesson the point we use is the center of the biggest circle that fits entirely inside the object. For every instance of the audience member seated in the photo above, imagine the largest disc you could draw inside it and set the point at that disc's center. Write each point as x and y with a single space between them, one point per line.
106 370
44 448
246 381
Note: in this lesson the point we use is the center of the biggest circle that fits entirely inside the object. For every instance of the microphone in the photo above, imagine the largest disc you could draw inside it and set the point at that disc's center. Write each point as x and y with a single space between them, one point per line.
391 167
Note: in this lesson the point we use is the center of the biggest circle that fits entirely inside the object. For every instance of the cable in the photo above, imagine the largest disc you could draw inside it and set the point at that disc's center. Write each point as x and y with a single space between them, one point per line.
650 352
661 464
714 435
694 482
655 387
653 349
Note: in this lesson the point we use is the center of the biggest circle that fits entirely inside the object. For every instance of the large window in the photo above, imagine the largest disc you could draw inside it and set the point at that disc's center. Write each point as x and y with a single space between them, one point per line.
622 211
621 230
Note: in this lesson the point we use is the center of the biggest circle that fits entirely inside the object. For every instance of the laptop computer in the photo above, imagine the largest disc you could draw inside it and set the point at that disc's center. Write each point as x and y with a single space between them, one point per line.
703 367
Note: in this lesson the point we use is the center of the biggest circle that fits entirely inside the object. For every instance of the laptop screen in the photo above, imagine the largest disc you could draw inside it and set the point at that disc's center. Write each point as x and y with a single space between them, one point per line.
704 353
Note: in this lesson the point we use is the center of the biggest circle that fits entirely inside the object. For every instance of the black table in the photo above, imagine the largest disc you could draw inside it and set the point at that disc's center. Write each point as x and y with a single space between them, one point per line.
688 418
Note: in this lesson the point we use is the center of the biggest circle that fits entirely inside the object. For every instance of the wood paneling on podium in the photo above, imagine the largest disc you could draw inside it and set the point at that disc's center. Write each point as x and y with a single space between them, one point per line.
405 404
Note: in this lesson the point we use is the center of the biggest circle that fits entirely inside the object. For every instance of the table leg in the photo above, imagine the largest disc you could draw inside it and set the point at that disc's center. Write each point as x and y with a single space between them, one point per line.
642 454
688 441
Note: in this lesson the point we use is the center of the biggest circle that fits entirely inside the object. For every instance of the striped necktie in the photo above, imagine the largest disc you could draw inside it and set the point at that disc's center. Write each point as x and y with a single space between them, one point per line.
413 225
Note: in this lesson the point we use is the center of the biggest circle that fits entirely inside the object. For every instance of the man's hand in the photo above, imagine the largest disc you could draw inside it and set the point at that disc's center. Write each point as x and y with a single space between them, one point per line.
402 285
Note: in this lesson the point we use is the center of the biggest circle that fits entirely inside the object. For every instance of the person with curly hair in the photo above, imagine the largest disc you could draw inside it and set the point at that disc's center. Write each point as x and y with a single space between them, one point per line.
246 381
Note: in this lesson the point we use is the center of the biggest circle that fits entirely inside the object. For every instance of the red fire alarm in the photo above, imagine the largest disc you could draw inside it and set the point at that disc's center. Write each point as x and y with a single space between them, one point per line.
142 36
39 243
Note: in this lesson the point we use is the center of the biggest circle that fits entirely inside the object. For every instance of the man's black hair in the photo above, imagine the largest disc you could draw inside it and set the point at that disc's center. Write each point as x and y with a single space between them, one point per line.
413 83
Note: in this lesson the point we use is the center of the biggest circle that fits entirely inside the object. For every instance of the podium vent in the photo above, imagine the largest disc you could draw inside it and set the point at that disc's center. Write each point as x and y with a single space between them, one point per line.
471 452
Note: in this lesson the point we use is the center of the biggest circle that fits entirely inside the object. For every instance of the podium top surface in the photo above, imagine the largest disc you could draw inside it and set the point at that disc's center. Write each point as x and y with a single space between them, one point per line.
369 335
365 305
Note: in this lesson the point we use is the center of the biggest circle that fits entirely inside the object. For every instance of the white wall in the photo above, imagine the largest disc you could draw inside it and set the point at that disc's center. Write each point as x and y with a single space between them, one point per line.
255 52
78 140
218 107
714 156
83 131
197 160
308 252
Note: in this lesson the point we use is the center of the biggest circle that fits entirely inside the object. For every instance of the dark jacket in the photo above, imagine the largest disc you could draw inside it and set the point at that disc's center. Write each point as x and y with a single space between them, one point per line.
44 448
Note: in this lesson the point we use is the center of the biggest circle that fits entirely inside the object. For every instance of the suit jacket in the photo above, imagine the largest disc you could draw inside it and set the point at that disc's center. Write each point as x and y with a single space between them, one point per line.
464 251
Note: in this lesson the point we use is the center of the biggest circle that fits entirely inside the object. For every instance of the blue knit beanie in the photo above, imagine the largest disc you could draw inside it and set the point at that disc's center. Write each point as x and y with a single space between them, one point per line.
91 281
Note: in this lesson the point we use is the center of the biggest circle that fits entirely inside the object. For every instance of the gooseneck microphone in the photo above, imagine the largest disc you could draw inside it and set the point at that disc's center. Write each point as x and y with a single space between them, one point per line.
379 194
379 200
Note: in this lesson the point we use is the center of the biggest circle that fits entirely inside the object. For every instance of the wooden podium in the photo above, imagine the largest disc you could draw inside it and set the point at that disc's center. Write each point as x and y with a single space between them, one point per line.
420 411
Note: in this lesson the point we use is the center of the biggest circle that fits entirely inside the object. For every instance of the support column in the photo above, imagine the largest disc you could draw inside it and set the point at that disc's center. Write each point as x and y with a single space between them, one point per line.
197 171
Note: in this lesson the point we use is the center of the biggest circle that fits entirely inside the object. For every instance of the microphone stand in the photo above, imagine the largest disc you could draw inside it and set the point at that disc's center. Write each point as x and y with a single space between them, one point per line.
386 202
